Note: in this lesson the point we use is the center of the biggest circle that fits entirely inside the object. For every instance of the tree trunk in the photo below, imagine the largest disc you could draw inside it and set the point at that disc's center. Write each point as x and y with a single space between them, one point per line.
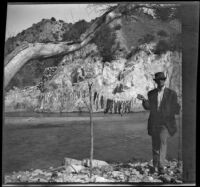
26 52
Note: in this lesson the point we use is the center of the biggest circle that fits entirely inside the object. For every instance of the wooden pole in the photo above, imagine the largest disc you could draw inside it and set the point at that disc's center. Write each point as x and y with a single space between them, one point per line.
180 120
91 129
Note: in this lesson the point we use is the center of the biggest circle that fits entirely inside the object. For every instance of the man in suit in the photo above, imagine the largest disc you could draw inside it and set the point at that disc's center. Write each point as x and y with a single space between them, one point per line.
163 105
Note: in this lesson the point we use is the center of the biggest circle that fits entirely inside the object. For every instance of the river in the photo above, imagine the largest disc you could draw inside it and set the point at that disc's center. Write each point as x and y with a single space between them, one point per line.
34 140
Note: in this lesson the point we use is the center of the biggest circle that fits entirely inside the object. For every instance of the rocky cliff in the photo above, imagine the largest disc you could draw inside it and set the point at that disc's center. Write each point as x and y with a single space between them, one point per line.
141 47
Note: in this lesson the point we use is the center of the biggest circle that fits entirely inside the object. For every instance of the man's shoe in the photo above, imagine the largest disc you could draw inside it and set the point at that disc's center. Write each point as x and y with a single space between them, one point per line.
161 170
153 170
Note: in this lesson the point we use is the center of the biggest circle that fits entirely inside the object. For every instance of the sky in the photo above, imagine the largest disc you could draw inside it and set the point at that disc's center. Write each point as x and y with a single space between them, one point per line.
22 16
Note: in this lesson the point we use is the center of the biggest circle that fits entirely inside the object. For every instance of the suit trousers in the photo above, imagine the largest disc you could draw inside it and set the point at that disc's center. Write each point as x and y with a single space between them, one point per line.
160 136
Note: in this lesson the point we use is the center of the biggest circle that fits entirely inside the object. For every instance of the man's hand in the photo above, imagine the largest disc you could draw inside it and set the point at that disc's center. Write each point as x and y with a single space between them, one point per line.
141 97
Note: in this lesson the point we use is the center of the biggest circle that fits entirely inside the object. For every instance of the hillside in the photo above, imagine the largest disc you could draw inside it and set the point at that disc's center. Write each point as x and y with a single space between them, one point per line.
122 57
47 30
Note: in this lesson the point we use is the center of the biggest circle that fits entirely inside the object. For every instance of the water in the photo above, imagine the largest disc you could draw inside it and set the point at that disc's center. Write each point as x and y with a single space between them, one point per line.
116 139
48 114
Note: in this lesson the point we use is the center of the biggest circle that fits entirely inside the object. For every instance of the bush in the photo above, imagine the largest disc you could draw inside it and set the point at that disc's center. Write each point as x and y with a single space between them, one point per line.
162 33
133 52
162 47
146 39
173 44
163 13
55 36
53 19
117 27
75 31
23 32
176 42
45 40
9 45
177 13
105 40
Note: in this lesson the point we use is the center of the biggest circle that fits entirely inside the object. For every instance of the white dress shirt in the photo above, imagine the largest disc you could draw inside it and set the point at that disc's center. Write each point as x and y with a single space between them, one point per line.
160 95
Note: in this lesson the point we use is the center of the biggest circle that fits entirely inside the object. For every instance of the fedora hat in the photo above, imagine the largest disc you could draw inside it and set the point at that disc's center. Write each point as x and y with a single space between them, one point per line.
159 76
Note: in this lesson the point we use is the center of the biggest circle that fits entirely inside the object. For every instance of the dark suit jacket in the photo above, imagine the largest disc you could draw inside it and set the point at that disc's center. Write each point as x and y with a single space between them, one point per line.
168 108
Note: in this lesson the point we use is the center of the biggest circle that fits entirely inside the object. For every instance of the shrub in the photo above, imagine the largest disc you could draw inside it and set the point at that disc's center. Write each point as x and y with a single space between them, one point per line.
9 45
45 40
23 32
163 13
75 31
53 19
117 27
55 36
146 39
176 42
105 40
162 47
162 33
133 52
177 13
173 44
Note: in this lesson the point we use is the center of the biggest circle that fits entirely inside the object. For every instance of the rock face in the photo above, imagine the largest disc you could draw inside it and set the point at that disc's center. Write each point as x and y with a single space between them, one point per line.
115 84
64 95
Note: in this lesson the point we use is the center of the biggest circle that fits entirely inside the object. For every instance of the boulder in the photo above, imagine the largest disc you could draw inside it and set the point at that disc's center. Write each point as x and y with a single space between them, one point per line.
24 178
144 164
150 179
37 172
54 175
69 169
95 163
59 179
135 172
116 173
76 168
67 177
165 178
178 181
70 161
134 179
47 174
107 168
157 180
80 178
97 171
97 179
147 179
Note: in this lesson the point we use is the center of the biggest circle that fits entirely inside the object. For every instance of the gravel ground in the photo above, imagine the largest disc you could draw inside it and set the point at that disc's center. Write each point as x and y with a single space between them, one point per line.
138 172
